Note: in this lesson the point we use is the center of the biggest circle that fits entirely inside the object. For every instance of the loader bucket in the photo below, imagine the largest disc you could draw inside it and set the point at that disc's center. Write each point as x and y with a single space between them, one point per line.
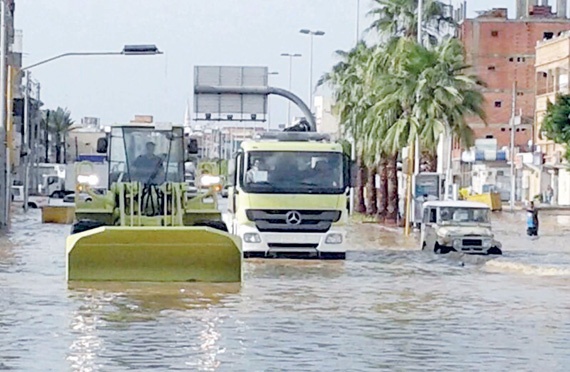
154 254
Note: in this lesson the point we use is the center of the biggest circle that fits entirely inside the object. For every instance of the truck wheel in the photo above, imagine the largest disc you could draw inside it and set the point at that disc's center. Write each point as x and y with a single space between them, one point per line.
333 255
424 245
441 249
84 225
32 205
218 225
495 251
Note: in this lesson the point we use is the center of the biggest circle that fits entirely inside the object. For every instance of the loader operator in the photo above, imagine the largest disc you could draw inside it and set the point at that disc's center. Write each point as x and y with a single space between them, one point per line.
148 167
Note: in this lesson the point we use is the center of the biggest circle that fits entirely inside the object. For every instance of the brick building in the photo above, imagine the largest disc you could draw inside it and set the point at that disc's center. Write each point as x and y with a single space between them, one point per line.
502 51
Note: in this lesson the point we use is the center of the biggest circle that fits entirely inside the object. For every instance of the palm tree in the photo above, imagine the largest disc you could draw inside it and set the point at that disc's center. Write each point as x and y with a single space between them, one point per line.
60 124
413 82
347 79
399 18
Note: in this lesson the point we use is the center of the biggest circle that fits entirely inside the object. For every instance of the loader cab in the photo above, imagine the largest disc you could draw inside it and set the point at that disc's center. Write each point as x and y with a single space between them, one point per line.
145 153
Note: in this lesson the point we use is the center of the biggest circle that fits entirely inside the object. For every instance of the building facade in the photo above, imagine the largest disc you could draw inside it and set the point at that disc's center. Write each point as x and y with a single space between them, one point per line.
552 72
501 52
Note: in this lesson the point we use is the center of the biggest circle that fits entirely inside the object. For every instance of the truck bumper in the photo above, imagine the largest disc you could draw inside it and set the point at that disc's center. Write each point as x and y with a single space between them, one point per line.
329 245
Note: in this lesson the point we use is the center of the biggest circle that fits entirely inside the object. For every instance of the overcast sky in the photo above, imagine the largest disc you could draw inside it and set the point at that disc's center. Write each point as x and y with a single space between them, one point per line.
190 32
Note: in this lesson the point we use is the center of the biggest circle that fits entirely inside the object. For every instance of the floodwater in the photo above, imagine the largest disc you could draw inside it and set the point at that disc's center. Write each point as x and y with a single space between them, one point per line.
389 306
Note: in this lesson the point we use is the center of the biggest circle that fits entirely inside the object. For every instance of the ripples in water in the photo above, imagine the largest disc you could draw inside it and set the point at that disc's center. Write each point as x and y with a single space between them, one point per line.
389 306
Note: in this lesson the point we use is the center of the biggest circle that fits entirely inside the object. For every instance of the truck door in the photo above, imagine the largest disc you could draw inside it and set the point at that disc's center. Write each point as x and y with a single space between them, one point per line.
234 172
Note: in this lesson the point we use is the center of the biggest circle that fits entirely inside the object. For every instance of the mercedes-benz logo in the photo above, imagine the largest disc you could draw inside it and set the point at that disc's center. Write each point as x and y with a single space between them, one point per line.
293 218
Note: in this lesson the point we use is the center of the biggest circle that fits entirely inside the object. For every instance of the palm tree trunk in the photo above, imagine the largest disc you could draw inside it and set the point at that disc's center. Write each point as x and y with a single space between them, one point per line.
392 178
64 149
382 192
371 208
57 148
359 205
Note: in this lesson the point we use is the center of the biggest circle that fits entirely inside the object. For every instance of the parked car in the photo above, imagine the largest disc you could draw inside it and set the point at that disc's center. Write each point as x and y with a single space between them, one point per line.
70 198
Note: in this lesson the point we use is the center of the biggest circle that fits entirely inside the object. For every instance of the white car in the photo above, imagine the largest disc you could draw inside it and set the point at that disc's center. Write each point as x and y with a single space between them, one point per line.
458 226
70 198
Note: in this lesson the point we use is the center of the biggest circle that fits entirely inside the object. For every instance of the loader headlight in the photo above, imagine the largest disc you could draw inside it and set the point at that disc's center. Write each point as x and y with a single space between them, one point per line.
334 238
91 180
207 180
251 238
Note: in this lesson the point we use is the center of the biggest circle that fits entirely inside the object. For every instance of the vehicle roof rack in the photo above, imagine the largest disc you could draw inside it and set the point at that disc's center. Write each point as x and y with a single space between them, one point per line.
294 136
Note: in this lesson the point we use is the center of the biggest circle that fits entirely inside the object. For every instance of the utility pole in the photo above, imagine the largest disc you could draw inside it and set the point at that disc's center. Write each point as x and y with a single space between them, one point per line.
357 20
512 147
26 134
414 148
37 124
5 188
291 56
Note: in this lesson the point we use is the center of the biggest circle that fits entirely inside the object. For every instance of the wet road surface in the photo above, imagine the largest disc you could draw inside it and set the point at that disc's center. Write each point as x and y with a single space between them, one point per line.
389 306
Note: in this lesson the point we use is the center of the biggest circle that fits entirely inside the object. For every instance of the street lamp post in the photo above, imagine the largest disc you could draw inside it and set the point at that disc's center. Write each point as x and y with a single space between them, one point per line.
268 115
291 56
311 34
138 50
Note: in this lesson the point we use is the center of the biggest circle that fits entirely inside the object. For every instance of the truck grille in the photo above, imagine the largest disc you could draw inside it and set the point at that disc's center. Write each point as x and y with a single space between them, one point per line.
318 221
293 245
472 242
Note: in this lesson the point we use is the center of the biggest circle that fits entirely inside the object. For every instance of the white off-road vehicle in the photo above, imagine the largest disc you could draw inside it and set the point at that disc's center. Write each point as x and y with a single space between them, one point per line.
458 226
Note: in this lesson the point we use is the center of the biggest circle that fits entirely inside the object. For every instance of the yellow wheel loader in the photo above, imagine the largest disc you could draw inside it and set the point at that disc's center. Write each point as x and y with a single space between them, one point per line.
146 227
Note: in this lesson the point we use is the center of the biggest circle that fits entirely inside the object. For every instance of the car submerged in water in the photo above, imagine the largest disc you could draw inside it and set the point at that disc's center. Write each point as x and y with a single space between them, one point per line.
458 226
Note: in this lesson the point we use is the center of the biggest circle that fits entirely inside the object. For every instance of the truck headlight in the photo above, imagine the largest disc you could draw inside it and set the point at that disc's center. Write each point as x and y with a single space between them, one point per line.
91 180
251 238
487 243
207 180
457 243
334 238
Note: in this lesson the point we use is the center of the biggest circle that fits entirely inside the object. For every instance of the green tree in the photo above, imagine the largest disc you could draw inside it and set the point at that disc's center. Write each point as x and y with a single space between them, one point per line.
60 124
556 123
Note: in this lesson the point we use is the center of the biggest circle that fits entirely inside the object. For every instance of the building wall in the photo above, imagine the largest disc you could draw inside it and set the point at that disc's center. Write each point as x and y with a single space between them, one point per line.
326 121
502 51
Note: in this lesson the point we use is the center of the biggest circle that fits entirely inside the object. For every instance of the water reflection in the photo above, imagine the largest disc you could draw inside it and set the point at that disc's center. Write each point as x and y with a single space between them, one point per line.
136 310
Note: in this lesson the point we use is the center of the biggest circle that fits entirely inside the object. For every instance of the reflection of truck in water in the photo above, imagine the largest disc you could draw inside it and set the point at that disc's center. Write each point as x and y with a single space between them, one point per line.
288 196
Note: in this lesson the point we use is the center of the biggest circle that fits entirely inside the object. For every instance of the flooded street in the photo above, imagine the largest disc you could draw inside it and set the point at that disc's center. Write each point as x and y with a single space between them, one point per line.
389 306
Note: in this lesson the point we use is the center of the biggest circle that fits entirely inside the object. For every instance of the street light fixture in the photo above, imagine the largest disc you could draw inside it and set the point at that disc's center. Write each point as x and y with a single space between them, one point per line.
291 56
128 50
312 34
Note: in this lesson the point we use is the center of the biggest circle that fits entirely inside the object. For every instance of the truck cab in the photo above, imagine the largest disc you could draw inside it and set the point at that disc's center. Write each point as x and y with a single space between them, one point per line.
287 196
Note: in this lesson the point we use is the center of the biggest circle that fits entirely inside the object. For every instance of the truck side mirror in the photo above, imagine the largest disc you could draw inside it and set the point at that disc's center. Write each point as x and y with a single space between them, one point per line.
102 145
353 172
192 146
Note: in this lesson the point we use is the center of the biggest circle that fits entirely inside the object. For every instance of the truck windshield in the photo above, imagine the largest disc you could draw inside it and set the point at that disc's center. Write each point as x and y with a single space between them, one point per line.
464 215
146 155
288 172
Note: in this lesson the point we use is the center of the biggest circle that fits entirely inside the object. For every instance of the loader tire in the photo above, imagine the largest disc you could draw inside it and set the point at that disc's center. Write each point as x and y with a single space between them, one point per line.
218 225
84 225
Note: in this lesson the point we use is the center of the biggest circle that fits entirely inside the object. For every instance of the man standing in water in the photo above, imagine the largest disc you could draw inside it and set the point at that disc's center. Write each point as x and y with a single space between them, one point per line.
532 220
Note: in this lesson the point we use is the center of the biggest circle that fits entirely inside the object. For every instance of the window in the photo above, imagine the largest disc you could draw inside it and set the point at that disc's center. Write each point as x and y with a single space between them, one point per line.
503 130
548 35
494 33
520 94
498 104
489 136
430 215
491 68
289 172
500 173
511 59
